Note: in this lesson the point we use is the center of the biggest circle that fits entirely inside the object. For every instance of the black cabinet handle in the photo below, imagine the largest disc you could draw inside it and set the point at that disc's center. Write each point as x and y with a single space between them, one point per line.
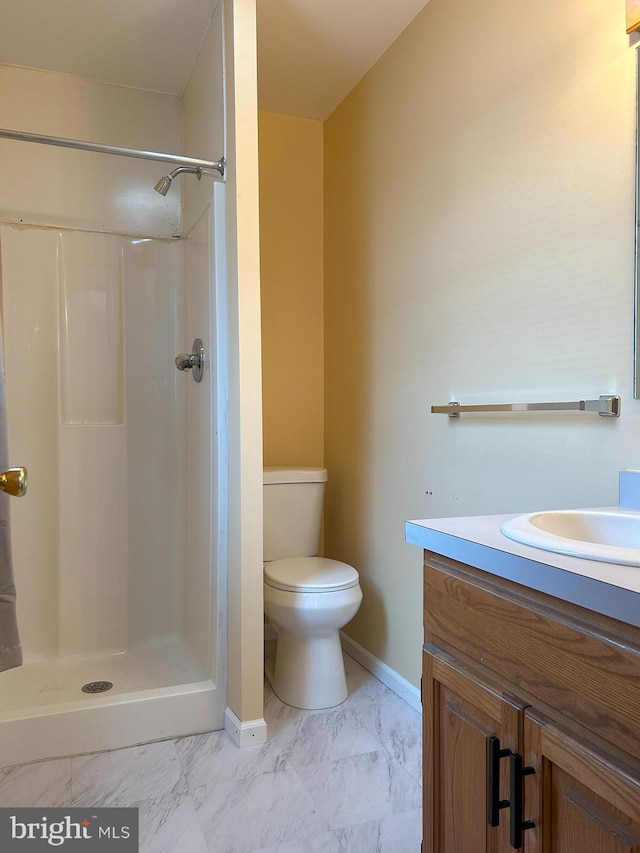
517 824
494 803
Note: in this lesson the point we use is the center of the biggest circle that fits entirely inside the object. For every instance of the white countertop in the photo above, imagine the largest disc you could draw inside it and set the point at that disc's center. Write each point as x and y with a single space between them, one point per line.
607 588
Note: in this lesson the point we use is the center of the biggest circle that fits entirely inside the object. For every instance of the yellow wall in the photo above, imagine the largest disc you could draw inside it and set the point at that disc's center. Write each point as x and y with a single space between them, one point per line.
479 226
291 273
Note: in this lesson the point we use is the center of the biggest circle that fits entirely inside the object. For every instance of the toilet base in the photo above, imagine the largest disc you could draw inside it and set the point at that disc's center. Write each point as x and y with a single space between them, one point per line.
308 672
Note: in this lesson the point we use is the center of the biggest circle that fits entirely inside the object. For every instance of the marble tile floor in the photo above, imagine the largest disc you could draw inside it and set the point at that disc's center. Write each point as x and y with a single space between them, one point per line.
346 780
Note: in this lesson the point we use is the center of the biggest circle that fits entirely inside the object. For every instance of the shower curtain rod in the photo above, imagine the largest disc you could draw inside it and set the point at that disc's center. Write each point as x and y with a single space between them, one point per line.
62 142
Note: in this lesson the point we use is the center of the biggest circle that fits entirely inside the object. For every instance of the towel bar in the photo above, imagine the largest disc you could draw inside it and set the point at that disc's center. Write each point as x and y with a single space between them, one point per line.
607 405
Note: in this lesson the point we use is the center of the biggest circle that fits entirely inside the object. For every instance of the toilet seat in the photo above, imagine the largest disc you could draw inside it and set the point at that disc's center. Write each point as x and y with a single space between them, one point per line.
310 574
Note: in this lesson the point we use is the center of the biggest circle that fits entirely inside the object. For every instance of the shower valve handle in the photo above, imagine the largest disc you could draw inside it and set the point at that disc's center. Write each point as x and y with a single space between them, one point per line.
185 361
193 360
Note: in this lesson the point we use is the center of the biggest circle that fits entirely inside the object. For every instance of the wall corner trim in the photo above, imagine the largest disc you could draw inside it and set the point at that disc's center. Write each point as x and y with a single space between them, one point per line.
248 733
392 679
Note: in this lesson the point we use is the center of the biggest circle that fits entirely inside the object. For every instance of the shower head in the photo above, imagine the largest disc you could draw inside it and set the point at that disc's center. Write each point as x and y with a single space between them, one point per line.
164 184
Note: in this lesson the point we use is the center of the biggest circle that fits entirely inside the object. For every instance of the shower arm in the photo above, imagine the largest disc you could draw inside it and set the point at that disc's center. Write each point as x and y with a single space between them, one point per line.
62 142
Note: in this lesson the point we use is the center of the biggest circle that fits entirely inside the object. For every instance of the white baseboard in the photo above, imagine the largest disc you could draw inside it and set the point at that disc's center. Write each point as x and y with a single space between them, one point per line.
249 733
393 680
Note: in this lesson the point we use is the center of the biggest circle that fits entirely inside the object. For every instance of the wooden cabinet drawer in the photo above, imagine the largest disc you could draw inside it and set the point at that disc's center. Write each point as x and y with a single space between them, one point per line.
585 666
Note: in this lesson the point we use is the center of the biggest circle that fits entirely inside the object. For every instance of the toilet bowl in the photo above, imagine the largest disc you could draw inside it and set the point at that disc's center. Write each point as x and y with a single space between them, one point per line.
308 600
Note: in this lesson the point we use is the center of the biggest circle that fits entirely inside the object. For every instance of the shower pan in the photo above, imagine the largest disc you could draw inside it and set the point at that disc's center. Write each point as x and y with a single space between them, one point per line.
121 597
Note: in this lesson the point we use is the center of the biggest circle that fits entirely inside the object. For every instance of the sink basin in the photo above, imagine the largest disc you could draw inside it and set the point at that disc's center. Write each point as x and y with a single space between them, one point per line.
609 536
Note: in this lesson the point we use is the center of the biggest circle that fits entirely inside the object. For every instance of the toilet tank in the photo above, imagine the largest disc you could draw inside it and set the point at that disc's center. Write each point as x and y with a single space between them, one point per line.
292 511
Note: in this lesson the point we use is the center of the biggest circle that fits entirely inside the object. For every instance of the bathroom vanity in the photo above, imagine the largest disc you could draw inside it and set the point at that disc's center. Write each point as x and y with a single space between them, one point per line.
530 693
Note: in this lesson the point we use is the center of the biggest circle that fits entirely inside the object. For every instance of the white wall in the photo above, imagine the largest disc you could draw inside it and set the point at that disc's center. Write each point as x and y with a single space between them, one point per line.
203 118
479 216
42 185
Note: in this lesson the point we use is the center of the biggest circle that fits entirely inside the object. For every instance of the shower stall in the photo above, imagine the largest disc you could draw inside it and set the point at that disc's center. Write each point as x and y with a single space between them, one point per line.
119 544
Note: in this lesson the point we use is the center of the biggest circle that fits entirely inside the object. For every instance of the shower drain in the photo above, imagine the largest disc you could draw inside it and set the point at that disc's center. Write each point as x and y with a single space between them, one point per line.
97 687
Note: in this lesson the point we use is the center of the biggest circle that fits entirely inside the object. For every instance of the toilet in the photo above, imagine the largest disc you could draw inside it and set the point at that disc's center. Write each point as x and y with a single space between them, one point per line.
307 598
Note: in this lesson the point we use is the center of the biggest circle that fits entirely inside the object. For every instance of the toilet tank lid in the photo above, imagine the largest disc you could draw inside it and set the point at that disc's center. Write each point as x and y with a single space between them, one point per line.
294 475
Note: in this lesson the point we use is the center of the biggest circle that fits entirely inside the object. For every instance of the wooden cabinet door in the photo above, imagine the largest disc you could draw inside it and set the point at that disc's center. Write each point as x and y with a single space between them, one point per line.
581 800
460 713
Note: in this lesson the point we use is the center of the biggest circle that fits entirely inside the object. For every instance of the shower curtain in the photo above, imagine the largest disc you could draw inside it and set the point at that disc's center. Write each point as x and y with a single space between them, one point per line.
10 648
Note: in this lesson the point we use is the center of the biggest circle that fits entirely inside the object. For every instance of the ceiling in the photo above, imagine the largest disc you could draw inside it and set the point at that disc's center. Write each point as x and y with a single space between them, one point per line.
310 52
149 44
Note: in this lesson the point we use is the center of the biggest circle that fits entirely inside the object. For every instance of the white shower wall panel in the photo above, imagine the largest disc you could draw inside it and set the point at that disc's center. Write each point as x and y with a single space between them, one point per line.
203 117
64 188
154 480
204 239
93 562
96 540
200 574
91 345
